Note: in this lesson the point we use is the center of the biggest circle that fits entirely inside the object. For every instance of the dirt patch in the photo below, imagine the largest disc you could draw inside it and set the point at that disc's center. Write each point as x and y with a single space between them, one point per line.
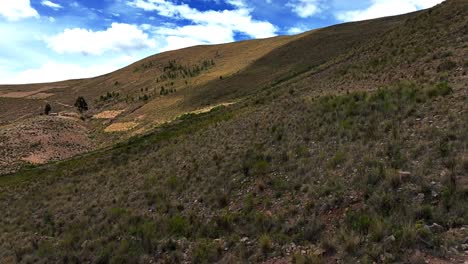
41 139
36 158
121 127
34 94
209 108
110 114
40 96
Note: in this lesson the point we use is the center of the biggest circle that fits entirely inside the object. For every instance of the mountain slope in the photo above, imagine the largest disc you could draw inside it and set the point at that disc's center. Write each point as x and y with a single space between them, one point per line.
356 159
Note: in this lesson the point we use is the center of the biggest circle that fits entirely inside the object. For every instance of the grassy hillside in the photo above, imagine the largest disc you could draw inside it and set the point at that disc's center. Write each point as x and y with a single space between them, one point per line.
122 104
356 153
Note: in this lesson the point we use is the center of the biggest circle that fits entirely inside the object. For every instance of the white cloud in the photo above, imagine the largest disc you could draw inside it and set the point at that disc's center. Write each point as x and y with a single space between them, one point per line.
237 20
119 37
296 30
305 8
52 71
186 36
382 8
52 5
237 3
14 10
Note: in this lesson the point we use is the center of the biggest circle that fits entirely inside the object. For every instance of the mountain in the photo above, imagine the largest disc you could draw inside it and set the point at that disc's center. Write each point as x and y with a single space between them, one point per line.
344 144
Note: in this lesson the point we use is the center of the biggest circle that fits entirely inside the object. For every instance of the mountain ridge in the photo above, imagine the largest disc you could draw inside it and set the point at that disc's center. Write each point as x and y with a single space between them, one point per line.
354 154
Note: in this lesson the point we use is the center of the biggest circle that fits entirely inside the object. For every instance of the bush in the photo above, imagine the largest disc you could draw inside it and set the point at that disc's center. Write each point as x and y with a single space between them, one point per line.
47 109
81 104
206 252
359 221
265 243
179 225
441 89
313 229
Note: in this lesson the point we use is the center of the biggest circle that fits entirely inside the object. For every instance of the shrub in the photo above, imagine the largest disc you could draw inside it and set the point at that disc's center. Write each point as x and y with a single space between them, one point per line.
359 221
47 109
441 89
265 243
313 229
81 104
206 252
424 213
351 242
179 225
377 230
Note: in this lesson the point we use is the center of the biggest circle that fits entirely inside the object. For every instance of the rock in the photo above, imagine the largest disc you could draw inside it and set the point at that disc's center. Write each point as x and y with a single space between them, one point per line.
404 175
84 244
386 257
436 228
454 251
419 198
389 239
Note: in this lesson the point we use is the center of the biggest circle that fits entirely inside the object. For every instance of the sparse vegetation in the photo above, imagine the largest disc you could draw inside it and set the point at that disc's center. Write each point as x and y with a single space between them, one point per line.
110 95
336 161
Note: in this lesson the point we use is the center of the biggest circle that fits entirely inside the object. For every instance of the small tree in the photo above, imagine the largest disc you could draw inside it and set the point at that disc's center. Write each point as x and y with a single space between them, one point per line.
81 104
47 109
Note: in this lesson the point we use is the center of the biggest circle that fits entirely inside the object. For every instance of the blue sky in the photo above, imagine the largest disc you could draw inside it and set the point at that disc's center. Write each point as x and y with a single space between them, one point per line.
52 40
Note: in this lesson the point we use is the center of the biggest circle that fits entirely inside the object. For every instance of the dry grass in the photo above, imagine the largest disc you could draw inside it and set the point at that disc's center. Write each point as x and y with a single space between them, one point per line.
108 114
121 127
302 165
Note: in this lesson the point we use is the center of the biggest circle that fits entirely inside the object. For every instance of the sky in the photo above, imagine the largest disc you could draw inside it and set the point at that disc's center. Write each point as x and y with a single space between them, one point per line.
53 40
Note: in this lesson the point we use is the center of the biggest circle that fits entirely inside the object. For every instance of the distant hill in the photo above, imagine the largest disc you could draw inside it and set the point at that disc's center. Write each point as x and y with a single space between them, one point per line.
345 144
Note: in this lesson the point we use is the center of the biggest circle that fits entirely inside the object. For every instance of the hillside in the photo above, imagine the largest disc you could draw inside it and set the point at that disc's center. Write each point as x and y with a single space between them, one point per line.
124 103
341 145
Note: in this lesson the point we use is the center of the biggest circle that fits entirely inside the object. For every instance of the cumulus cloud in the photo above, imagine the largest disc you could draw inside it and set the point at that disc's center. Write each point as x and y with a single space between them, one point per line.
119 37
186 36
237 20
305 8
52 5
14 10
381 8
296 30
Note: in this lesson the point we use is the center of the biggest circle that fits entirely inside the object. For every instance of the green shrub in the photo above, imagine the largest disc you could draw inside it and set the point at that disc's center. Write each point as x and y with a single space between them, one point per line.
424 212
441 89
179 225
265 243
359 221
206 252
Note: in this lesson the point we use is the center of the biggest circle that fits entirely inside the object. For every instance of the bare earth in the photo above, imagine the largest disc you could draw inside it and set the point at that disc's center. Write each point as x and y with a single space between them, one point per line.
40 140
